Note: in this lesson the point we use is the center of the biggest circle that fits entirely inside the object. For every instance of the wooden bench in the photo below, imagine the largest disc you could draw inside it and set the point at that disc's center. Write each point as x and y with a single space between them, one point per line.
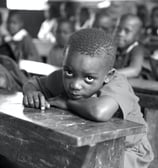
147 91
59 139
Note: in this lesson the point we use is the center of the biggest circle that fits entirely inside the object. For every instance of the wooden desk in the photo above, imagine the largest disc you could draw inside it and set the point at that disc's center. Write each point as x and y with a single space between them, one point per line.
147 91
59 139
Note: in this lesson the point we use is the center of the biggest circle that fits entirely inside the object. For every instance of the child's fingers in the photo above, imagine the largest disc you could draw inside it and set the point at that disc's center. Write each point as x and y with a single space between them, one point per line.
36 100
42 102
30 100
25 101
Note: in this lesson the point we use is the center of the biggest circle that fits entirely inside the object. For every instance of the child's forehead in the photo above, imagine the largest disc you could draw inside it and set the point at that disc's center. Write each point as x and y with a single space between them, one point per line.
15 18
85 58
133 22
85 63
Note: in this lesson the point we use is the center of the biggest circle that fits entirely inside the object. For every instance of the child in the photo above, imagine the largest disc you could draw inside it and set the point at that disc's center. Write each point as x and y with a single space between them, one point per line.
131 52
19 39
48 26
90 87
64 29
152 29
84 18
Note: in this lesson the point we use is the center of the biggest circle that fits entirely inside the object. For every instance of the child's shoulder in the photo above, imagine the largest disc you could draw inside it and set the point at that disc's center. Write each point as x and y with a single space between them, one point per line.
122 92
118 84
139 49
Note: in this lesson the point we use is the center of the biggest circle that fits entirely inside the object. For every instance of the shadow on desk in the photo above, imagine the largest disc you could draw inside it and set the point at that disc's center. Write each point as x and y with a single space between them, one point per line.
5 163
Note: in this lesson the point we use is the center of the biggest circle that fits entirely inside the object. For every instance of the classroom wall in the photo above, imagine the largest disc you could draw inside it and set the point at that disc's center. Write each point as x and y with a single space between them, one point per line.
32 20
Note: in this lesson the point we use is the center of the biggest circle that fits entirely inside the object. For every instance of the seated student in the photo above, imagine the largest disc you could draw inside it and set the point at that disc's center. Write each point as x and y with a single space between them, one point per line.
130 54
64 29
151 32
19 39
48 26
90 87
84 19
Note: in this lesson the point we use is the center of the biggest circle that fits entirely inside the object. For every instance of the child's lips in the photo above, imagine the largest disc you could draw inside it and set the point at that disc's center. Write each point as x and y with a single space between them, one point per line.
74 96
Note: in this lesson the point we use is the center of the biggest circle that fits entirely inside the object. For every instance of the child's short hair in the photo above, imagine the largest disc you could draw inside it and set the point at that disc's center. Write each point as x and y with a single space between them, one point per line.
132 16
93 42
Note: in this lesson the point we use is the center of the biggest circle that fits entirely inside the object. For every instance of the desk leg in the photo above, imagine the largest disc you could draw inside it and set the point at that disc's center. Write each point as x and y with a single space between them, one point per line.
152 120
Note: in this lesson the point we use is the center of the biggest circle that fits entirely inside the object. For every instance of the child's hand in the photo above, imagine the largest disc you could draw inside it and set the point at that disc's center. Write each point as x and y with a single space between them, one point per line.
35 99
59 102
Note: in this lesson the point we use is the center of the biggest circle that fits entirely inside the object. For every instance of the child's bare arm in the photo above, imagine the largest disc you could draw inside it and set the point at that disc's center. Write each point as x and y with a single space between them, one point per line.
97 109
134 69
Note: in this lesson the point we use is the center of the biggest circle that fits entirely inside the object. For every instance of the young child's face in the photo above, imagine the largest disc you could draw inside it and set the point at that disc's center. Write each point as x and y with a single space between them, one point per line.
83 75
14 25
63 33
127 32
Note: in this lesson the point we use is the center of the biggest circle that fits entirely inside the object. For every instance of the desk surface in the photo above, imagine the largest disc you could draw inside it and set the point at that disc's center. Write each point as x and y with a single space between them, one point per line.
147 91
62 125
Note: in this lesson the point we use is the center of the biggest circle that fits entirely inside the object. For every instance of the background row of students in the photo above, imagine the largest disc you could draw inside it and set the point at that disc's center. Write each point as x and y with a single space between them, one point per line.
128 31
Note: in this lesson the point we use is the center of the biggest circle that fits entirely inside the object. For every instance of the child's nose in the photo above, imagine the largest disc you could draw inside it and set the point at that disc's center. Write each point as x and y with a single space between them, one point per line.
76 85
121 33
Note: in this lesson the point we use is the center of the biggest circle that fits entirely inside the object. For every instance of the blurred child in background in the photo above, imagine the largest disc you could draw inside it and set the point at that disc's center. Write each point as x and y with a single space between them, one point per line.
20 40
152 29
130 54
49 25
85 19
64 29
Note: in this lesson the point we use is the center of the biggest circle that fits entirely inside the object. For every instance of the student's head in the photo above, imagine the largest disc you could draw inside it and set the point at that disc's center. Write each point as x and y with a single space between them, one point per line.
129 30
52 10
88 63
104 21
84 15
64 29
154 16
68 9
14 23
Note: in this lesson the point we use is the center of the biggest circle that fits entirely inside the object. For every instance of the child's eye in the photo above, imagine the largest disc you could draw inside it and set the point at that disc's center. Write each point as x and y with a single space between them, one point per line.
68 73
89 79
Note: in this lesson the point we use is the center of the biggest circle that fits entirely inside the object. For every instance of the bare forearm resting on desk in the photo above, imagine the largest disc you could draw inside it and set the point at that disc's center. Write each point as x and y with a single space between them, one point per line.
97 109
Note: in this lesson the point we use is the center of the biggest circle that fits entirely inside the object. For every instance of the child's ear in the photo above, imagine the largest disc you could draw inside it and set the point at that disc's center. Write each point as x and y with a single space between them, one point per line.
109 76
